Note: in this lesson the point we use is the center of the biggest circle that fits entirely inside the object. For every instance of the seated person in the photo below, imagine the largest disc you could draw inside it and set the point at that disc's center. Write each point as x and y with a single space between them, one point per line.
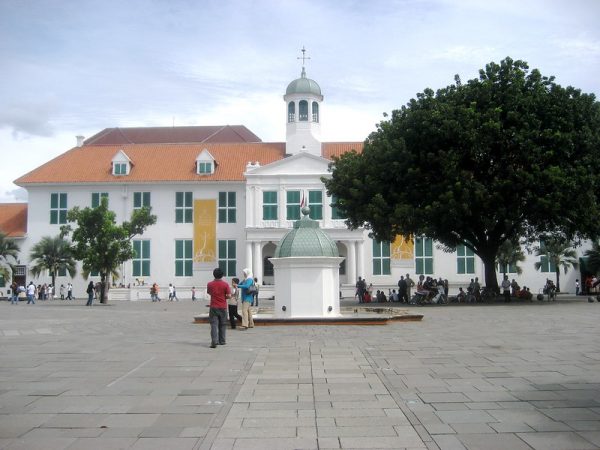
461 296
367 297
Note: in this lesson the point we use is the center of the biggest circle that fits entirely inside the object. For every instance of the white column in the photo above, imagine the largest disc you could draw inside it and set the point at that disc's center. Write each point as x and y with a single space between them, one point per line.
281 202
360 264
351 262
248 255
257 267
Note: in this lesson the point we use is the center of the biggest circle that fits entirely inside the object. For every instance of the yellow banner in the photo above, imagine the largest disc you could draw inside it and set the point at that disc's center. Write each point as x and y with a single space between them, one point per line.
205 230
403 249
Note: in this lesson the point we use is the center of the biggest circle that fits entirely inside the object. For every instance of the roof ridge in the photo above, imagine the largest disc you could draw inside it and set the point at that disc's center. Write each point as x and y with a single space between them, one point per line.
215 133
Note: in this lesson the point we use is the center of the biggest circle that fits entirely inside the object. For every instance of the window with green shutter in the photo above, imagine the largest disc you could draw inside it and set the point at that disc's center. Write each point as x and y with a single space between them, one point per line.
97 197
465 260
58 208
183 258
227 257
141 199
184 207
381 258
424 256
292 205
141 258
269 205
227 207
315 203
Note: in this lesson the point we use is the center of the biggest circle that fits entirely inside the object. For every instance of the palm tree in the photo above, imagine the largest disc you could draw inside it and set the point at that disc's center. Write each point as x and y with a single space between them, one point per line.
593 261
510 254
52 254
558 253
9 250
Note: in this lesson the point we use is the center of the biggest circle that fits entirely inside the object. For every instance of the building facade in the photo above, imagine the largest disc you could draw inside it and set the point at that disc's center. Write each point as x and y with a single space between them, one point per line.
224 198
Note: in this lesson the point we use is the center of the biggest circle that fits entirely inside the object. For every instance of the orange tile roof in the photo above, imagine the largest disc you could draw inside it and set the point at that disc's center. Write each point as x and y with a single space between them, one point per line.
330 149
152 162
13 219
163 162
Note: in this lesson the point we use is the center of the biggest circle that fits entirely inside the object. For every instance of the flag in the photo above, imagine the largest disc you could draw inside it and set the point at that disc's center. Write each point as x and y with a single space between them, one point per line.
303 200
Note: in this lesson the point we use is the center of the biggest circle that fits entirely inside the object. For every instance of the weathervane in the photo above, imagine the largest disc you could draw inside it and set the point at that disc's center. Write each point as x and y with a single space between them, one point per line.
303 58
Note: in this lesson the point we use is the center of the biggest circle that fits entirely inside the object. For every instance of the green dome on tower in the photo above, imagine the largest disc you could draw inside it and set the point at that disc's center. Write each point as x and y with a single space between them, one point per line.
303 85
306 239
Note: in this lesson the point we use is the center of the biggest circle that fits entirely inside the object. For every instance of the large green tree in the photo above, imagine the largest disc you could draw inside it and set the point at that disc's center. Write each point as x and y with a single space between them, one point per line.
9 251
508 155
101 244
52 254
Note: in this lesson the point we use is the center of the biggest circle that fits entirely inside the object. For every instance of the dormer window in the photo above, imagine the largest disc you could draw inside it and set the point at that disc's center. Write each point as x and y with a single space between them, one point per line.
120 169
204 167
205 163
121 164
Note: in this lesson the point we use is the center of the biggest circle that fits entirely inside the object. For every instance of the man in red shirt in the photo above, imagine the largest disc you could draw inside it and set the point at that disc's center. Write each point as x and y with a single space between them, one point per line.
219 292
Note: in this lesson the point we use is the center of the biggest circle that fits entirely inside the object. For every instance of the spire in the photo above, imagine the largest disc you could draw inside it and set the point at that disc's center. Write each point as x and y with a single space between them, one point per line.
303 58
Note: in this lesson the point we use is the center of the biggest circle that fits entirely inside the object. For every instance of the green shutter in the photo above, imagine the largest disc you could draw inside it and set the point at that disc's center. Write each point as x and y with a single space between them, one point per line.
429 266
470 265
428 247
178 199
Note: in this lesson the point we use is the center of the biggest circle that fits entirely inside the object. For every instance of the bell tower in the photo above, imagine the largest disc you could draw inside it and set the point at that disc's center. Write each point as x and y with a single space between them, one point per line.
303 113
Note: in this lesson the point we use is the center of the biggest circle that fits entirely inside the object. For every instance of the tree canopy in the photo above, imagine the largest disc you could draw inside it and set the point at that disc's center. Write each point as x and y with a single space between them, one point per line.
9 251
53 254
506 156
100 243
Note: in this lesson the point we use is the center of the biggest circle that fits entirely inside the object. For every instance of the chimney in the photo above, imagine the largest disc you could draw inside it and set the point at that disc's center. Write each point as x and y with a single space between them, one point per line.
80 140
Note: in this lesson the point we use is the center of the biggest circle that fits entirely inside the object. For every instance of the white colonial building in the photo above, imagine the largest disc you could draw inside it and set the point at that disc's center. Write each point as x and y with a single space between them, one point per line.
222 197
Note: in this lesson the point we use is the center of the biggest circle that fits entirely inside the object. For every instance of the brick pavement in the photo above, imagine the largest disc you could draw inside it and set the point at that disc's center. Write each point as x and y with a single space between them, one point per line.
140 375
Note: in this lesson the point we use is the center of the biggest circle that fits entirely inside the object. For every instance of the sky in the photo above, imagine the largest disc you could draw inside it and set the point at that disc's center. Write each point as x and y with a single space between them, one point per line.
75 67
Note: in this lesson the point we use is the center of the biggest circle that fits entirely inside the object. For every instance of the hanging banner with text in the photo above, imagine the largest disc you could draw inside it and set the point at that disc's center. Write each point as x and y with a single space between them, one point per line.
403 249
205 230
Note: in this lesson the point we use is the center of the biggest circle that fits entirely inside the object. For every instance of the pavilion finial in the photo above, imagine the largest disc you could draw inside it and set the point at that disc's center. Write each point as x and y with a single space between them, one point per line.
303 58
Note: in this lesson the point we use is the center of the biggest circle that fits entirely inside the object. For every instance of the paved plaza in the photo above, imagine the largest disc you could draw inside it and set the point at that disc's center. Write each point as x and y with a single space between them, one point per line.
141 375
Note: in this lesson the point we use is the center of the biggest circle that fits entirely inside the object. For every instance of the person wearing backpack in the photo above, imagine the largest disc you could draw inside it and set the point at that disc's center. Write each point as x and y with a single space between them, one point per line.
247 290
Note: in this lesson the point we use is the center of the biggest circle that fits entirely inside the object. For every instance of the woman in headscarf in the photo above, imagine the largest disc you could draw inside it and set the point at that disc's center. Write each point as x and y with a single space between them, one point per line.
247 296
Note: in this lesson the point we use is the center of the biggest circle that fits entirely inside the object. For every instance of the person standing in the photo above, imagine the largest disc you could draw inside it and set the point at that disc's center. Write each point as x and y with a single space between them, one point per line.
409 285
175 293
62 291
506 289
14 293
219 292
232 303
170 292
90 292
402 287
193 293
255 301
577 286
247 296
361 288
69 291
31 293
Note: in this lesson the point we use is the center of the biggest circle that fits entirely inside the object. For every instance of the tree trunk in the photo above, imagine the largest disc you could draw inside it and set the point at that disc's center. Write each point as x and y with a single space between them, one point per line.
557 279
489 264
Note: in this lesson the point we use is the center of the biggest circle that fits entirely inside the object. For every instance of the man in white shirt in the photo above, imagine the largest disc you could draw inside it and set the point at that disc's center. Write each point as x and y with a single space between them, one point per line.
31 293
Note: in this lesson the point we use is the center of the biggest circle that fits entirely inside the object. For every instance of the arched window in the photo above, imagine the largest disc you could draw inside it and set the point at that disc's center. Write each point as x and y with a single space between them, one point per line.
291 112
303 110
315 112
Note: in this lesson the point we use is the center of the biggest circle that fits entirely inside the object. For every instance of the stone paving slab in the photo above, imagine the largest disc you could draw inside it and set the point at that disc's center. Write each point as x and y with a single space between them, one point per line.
139 375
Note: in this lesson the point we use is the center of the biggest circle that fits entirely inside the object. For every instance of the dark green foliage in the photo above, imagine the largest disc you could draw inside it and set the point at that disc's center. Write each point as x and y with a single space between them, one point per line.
52 254
506 156
9 251
100 243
